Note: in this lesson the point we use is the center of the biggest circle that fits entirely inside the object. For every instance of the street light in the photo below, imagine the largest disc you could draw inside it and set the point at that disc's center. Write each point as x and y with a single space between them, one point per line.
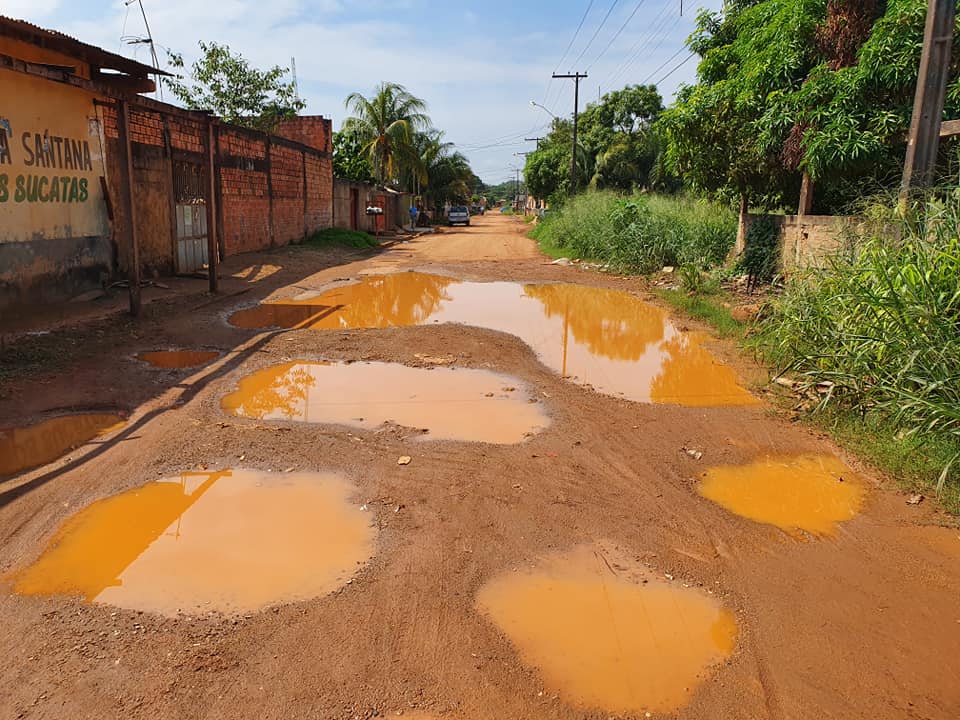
533 103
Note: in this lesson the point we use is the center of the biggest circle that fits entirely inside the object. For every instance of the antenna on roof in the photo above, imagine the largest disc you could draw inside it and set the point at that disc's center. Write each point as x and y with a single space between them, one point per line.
293 69
148 40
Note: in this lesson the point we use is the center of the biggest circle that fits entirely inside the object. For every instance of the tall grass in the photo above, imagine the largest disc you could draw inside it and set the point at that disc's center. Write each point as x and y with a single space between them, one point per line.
879 326
640 233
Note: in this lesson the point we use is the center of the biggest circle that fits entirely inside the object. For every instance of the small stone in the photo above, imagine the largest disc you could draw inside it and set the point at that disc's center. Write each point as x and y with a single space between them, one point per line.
915 499
404 460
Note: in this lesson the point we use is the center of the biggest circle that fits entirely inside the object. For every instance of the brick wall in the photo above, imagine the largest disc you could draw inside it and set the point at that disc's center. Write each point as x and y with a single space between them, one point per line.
314 131
274 190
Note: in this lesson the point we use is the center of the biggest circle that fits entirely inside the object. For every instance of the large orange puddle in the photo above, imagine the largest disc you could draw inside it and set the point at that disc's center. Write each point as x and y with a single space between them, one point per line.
175 359
623 641
452 404
233 541
806 492
604 338
29 447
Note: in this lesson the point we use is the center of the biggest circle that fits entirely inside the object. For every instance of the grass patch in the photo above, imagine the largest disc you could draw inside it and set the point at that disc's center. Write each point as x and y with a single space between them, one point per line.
639 233
342 237
707 308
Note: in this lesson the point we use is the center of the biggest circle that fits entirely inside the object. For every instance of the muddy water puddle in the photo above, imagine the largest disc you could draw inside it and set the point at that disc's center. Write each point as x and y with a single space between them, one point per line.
177 359
606 633
802 492
23 448
603 338
232 541
451 404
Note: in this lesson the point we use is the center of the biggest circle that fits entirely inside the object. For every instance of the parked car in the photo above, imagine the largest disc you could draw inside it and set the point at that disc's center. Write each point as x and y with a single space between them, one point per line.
458 215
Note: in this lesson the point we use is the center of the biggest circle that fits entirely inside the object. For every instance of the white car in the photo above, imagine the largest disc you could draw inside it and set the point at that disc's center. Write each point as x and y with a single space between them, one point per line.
458 214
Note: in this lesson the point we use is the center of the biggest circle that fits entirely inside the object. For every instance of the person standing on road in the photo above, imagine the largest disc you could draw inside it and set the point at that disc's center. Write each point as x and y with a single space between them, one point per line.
414 213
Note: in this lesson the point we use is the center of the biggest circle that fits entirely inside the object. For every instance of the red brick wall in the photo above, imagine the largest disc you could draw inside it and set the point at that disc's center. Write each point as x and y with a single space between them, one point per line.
311 130
262 180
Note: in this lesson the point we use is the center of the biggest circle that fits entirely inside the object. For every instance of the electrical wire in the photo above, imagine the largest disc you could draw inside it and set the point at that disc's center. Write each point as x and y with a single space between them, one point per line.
658 23
596 32
617 34
664 64
658 35
685 61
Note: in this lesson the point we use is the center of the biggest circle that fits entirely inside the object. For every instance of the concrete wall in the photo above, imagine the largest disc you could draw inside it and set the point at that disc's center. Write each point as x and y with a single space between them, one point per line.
54 229
806 240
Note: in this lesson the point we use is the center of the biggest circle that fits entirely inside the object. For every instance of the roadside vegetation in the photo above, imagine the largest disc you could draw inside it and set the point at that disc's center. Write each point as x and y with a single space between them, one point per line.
867 346
877 330
640 233
339 236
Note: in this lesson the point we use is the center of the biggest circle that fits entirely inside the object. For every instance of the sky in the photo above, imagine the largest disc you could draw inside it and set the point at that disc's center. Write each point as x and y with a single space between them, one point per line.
477 65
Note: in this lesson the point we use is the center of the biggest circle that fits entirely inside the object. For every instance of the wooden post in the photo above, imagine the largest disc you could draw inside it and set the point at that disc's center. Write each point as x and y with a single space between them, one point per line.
921 158
806 195
133 244
213 250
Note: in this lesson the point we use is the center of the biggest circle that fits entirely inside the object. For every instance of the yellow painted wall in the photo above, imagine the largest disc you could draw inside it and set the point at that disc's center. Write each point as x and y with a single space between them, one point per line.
33 54
51 160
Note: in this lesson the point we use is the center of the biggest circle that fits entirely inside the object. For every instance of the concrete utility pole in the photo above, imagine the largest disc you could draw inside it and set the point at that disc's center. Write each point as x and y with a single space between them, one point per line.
577 77
536 140
921 159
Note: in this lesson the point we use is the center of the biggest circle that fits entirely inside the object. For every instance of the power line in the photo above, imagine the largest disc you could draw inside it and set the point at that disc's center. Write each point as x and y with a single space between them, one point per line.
596 32
657 24
658 34
685 61
616 34
663 65
563 57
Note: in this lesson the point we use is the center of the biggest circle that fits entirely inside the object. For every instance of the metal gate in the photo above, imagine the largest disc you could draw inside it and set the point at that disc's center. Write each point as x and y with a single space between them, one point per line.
189 199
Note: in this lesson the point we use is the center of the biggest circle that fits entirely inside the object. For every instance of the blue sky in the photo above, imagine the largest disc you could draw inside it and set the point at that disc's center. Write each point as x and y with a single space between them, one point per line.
477 65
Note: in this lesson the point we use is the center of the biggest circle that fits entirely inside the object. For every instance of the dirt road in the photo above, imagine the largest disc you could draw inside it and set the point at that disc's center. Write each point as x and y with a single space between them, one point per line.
861 623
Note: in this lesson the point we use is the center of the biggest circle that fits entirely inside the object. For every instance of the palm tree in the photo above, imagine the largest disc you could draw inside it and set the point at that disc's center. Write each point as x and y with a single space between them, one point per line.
386 124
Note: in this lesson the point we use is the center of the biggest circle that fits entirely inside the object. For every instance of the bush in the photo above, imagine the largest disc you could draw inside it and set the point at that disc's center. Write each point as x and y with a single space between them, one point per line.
339 236
761 251
640 233
881 323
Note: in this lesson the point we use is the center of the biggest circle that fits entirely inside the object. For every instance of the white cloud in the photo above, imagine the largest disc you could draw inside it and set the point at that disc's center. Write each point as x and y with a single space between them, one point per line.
478 83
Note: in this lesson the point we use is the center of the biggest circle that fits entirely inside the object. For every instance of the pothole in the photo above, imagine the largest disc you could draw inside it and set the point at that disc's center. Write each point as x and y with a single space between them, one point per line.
603 338
606 633
23 448
793 492
231 541
177 359
451 404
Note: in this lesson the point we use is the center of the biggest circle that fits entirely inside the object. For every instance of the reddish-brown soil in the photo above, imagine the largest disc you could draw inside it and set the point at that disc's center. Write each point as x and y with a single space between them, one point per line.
862 624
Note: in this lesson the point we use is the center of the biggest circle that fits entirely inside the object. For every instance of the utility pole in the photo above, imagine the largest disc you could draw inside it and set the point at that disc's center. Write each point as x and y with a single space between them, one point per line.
577 77
536 140
921 159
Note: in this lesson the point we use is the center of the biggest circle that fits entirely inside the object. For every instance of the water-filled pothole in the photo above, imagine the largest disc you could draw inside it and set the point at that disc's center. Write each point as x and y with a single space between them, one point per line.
23 448
232 541
606 633
451 404
604 338
805 492
176 359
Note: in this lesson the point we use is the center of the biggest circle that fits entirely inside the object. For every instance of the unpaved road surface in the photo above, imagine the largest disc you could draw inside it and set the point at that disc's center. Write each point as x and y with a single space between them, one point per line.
861 624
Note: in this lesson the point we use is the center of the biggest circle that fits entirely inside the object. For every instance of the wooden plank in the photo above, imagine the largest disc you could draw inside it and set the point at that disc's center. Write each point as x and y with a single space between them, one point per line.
949 128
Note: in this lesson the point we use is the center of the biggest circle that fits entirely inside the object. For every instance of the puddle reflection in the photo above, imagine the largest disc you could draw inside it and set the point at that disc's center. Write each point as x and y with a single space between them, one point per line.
604 338
28 447
233 541
452 404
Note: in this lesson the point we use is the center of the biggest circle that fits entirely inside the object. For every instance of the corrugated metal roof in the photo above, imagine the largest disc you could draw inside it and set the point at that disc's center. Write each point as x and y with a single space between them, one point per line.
53 40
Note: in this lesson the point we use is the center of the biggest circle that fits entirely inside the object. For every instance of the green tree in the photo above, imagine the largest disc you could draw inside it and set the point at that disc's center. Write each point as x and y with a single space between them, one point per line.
226 85
385 125
349 161
791 86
